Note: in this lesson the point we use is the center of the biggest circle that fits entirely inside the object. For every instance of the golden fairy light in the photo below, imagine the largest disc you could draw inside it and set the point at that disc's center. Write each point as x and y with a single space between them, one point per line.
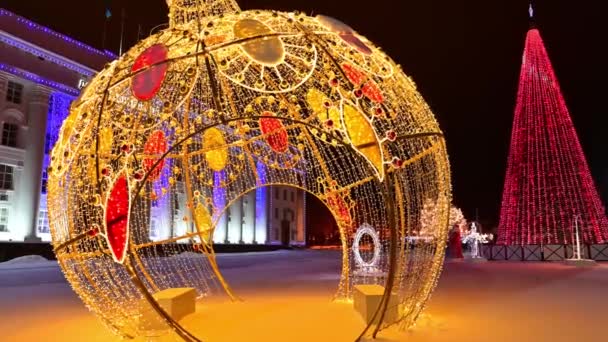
207 106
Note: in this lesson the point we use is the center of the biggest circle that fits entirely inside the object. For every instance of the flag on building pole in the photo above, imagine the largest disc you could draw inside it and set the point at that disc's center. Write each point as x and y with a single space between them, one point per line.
108 11
108 16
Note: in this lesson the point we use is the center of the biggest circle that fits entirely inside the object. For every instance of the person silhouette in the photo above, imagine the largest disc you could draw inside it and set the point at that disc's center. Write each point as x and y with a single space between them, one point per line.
455 244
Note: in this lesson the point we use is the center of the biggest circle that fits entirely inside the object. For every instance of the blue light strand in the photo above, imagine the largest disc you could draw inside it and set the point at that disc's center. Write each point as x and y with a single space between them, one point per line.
261 194
59 109
33 25
219 193
37 79
47 56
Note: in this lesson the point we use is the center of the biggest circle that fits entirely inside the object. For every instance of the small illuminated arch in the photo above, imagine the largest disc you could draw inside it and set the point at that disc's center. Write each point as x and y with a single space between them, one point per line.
371 265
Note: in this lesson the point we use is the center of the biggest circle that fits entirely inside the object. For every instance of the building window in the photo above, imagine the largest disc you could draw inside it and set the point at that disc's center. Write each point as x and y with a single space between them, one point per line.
288 215
14 92
3 197
9 134
276 213
45 179
153 229
4 220
43 222
276 193
285 195
293 196
6 177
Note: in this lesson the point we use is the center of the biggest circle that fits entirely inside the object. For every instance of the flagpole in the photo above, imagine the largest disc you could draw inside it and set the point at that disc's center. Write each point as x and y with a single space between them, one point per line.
104 34
107 16
122 31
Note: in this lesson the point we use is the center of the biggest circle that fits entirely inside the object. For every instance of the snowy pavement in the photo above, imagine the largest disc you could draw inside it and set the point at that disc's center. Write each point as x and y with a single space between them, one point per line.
497 301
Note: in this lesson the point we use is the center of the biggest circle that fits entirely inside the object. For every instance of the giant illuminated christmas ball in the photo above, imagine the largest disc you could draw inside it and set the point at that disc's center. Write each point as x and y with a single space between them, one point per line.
225 102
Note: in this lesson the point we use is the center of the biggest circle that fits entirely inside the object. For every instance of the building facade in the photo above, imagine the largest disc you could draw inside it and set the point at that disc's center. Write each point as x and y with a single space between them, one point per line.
41 73
273 215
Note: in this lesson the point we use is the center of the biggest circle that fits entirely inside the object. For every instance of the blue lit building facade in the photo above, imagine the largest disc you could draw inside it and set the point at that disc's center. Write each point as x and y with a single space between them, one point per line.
41 73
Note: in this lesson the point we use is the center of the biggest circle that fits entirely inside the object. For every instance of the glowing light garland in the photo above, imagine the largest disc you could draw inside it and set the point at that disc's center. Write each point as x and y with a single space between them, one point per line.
548 182
432 212
40 80
223 103
19 44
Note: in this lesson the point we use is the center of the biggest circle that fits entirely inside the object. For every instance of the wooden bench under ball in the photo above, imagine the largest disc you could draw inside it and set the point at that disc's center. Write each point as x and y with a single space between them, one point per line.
177 303
367 298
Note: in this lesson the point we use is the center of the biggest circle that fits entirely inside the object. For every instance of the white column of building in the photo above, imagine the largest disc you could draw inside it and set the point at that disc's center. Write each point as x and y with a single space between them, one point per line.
219 202
249 207
31 178
226 227
3 82
219 234
236 219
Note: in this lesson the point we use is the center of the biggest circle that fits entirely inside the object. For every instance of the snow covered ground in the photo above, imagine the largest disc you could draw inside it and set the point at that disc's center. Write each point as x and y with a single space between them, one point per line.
287 298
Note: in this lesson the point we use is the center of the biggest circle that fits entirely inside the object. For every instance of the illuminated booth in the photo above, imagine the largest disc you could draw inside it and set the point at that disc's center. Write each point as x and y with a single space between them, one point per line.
221 104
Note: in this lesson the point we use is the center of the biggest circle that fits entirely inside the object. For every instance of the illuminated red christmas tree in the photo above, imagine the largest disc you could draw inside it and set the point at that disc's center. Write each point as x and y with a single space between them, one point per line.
548 185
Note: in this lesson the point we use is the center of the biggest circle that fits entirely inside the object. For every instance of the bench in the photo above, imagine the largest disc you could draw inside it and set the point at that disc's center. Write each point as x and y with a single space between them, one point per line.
177 302
367 298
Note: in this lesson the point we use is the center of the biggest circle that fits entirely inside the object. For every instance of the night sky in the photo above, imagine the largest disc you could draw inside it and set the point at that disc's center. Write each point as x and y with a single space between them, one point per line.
464 55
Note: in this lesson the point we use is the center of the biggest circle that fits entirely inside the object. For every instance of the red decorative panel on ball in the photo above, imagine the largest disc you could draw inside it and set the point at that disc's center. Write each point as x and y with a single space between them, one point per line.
147 83
357 43
345 32
339 207
154 147
370 89
275 132
117 219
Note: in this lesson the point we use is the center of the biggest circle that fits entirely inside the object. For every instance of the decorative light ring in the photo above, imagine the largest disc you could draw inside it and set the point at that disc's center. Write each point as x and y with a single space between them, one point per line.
366 229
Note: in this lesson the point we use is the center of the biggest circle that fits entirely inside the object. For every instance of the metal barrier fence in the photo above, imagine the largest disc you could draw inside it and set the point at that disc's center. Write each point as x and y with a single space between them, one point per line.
543 252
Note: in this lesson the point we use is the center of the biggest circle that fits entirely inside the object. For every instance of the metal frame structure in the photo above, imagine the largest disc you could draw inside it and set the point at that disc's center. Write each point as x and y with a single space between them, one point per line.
78 236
